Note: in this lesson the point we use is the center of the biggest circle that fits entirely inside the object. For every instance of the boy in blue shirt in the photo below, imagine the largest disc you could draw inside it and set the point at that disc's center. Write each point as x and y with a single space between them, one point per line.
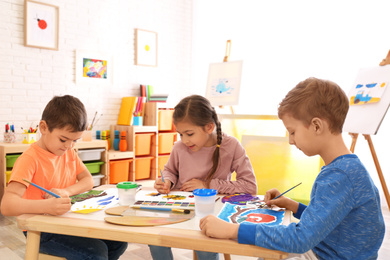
344 218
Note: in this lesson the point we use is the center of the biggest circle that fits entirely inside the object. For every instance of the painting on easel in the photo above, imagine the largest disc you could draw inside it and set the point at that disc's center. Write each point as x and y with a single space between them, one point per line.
223 84
367 93
369 100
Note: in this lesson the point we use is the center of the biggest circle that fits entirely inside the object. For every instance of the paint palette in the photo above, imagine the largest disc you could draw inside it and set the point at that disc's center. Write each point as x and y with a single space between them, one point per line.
123 215
175 199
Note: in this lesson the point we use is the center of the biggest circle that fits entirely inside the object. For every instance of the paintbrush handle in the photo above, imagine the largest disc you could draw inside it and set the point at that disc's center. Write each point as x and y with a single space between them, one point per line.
287 191
41 188
186 211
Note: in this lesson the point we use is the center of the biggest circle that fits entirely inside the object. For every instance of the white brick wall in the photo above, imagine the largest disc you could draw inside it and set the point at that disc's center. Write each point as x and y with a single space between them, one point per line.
30 77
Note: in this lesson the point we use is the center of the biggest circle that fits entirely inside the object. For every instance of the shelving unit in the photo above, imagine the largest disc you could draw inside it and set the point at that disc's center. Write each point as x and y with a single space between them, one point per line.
158 124
166 136
18 148
149 127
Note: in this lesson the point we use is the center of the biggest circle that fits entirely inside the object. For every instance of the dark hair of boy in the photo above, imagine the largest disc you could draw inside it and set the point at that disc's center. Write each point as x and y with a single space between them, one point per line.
65 111
198 111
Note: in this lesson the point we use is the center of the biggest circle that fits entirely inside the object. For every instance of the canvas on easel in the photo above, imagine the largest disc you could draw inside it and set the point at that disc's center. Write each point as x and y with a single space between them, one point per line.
369 101
365 115
223 83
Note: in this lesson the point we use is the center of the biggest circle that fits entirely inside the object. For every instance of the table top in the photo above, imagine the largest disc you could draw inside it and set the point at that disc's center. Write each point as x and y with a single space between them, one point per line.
186 235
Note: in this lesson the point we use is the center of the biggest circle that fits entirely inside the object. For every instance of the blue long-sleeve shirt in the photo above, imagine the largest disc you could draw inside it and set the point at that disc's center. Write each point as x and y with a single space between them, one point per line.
343 220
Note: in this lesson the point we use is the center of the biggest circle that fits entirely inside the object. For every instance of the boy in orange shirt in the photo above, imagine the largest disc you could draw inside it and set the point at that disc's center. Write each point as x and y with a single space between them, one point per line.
52 164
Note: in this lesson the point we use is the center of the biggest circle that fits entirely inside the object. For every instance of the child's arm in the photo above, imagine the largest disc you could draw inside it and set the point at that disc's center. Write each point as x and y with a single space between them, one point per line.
13 204
84 183
212 226
282 201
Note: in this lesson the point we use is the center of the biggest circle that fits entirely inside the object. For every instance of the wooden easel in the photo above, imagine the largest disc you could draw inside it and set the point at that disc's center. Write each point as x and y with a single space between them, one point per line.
376 162
226 59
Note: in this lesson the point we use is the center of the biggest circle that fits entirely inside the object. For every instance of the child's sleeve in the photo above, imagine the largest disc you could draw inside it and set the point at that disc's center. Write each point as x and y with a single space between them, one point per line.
318 220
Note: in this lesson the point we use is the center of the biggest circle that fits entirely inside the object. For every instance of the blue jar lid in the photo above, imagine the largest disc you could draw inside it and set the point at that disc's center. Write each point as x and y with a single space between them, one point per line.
205 192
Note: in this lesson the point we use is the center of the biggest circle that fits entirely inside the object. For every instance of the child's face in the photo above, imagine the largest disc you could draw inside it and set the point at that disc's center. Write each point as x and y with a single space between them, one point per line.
300 135
195 137
59 140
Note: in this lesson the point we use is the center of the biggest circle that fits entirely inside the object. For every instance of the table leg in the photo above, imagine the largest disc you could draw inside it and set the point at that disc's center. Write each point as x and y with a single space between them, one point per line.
32 245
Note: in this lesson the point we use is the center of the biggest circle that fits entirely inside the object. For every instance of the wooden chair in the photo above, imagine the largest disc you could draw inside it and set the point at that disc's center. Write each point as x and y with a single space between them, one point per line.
225 256
49 257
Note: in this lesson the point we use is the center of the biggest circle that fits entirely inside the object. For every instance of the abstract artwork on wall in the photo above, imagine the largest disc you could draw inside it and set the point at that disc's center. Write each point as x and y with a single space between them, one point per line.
93 67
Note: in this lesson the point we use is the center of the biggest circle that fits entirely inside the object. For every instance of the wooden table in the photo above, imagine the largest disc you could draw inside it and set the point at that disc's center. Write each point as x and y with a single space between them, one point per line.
186 235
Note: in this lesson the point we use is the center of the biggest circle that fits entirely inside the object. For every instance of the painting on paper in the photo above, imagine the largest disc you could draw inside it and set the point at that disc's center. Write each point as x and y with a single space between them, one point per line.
367 93
94 200
41 25
146 48
237 214
94 68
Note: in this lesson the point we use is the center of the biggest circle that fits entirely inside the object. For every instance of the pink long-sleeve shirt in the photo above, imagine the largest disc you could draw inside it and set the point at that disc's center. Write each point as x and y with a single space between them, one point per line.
184 165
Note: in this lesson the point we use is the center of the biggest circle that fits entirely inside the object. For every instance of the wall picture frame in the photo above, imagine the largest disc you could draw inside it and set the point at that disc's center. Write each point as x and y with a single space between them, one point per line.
41 25
94 67
145 48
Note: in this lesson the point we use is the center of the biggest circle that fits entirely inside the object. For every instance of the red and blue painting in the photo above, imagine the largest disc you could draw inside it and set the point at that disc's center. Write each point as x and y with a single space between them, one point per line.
237 214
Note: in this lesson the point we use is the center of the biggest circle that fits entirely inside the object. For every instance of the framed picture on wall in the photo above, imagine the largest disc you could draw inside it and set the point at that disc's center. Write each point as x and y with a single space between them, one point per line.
94 67
146 48
41 25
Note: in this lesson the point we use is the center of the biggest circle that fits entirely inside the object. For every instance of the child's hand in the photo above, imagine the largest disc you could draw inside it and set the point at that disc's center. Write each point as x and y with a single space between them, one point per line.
212 226
60 192
57 206
162 187
281 202
193 185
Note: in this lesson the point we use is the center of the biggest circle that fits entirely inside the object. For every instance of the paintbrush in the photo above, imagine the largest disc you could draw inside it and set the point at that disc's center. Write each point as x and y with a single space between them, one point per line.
93 120
162 178
185 211
287 191
41 188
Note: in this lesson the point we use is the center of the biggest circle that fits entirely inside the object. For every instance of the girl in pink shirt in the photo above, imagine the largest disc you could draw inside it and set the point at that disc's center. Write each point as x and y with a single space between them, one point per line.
203 158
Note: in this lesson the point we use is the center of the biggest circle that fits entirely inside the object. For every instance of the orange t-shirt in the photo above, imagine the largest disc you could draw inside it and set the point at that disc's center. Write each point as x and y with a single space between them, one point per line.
46 169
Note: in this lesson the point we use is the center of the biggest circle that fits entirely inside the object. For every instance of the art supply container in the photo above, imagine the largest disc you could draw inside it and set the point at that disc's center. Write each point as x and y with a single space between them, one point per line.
204 202
87 136
9 137
126 192
29 138
137 120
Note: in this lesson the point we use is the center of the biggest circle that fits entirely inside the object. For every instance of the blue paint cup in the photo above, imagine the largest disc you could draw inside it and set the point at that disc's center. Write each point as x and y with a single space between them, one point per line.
204 202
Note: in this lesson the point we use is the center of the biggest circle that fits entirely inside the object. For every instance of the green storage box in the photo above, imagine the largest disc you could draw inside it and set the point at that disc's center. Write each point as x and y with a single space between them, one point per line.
94 167
11 158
